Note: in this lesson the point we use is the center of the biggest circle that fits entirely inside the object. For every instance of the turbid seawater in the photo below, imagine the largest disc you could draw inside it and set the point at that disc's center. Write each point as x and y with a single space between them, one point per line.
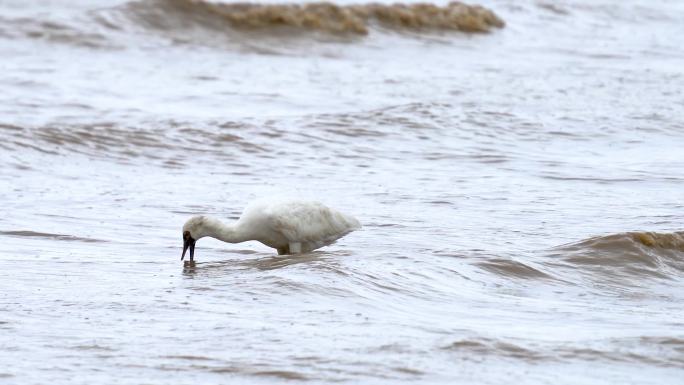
517 168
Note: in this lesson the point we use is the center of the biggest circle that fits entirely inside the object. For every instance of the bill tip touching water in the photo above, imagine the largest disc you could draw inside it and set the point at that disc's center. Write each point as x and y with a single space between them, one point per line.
289 226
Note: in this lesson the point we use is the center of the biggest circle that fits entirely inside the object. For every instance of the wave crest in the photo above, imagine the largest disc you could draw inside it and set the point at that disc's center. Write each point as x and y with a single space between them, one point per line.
631 253
323 17
662 351
169 142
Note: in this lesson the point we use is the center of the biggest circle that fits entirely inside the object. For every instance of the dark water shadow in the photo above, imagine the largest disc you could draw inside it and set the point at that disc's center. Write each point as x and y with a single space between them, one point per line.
56 237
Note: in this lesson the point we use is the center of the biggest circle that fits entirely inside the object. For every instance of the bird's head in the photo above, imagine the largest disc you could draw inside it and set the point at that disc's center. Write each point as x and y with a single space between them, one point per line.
193 229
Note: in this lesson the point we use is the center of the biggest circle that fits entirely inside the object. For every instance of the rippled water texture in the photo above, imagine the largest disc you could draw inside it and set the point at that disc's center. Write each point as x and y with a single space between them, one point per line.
520 190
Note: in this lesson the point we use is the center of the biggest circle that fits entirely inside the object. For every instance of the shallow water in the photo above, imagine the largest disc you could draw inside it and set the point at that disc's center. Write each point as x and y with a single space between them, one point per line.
520 190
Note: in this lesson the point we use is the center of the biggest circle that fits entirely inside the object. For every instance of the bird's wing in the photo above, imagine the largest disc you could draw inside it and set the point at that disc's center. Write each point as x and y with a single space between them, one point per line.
310 222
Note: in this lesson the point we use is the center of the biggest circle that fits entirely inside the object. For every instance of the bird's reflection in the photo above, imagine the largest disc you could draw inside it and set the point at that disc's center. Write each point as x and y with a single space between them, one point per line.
189 268
267 262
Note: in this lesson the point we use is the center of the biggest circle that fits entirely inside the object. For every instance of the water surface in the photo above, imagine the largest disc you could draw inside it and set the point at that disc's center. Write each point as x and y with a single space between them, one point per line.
520 190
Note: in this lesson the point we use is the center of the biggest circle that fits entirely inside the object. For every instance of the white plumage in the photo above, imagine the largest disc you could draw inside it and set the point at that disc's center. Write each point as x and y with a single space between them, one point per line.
291 227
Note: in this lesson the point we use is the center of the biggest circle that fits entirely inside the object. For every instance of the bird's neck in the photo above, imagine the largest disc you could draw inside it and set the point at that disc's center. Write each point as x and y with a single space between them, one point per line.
231 233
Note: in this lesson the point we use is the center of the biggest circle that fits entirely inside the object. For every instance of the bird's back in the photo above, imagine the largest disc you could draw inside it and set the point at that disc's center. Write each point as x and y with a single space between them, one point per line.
310 223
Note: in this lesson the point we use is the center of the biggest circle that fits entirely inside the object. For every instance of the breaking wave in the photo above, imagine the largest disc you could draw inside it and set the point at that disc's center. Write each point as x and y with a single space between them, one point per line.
241 25
322 17
618 260
656 255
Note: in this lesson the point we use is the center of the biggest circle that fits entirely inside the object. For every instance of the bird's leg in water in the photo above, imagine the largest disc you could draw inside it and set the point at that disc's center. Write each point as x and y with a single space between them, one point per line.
295 247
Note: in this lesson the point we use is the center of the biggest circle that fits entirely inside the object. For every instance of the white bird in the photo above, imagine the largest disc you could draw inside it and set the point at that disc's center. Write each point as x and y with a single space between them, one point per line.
291 227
